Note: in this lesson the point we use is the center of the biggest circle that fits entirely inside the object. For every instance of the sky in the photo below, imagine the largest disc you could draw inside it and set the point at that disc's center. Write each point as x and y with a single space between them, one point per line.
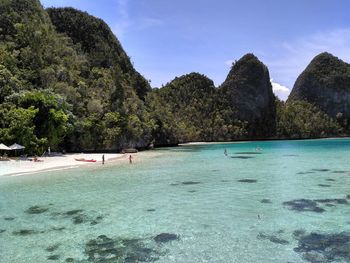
167 38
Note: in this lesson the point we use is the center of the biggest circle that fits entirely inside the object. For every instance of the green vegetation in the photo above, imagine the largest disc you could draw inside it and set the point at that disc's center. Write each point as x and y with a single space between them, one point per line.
74 91
301 120
67 83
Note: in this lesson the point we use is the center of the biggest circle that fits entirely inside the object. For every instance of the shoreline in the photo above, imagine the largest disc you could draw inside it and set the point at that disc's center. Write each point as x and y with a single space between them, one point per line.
67 161
54 163
263 140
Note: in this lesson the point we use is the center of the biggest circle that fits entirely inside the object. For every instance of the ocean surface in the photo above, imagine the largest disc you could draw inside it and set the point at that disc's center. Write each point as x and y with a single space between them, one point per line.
288 202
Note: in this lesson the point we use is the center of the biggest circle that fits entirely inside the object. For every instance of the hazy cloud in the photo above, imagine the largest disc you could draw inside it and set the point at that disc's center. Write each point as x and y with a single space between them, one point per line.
123 21
148 22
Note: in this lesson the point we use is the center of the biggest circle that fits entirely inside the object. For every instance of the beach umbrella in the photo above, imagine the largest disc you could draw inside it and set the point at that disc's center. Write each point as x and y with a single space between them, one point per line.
4 147
16 146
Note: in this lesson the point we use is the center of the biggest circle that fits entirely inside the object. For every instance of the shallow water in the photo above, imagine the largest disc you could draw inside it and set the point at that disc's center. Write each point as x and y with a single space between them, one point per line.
189 204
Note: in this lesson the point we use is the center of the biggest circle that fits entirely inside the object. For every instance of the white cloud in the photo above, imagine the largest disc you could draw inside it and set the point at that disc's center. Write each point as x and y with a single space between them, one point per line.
280 91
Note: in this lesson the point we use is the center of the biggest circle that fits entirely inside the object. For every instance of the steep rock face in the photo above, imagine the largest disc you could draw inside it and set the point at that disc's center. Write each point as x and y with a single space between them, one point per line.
98 42
325 83
248 92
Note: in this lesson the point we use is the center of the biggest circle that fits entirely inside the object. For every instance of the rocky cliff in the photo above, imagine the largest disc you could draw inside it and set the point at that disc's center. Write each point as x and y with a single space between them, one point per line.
248 92
325 83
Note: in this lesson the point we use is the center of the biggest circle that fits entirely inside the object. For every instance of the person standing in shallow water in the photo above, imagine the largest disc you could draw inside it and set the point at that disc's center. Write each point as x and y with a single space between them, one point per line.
103 159
225 152
130 159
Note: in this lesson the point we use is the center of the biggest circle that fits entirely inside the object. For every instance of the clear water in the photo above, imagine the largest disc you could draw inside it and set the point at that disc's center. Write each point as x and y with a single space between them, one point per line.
216 220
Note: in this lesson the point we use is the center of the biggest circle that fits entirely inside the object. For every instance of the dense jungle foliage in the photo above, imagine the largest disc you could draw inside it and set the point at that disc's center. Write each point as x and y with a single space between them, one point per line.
67 83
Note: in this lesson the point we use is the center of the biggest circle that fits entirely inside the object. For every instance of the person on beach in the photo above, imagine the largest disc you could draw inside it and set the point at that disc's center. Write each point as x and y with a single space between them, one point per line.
103 159
130 159
49 151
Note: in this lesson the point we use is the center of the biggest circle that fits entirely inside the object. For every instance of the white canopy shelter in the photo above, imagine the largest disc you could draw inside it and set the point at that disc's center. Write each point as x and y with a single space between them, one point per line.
4 147
16 146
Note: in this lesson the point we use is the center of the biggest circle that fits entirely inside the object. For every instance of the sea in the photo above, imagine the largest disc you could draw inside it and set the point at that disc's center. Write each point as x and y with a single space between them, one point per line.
264 201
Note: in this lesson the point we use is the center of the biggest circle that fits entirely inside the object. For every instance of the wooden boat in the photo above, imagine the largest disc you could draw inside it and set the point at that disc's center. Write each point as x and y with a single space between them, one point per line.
85 160
130 150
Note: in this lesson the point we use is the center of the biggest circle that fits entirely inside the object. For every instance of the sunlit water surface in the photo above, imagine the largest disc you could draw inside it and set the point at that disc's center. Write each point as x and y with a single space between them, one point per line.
187 204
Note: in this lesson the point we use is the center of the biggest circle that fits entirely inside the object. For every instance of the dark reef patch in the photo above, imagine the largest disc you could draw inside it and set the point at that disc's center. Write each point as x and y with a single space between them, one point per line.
53 257
190 183
36 209
303 205
96 220
224 181
2 231
338 172
266 201
108 250
52 247
79 219
320 170
151 210
247 181
248 153
241 157
305 172
73 212
319 248
61 228
330 180
69 260
78 216
9 218
290 155
165 237
24 232
324 185
298 233
192 191
340 201
273 239
174 184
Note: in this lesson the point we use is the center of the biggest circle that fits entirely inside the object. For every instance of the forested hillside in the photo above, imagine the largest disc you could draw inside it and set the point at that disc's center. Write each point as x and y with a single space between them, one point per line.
67 83
68 94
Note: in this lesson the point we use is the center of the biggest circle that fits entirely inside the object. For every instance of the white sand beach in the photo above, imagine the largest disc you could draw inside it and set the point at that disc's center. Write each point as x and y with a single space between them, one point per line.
66 161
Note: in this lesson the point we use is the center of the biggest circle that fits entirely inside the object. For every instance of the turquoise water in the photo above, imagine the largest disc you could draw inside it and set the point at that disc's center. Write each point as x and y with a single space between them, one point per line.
186 204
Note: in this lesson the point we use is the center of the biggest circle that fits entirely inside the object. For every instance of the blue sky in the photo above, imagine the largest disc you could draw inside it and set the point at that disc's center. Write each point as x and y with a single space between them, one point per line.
167 38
